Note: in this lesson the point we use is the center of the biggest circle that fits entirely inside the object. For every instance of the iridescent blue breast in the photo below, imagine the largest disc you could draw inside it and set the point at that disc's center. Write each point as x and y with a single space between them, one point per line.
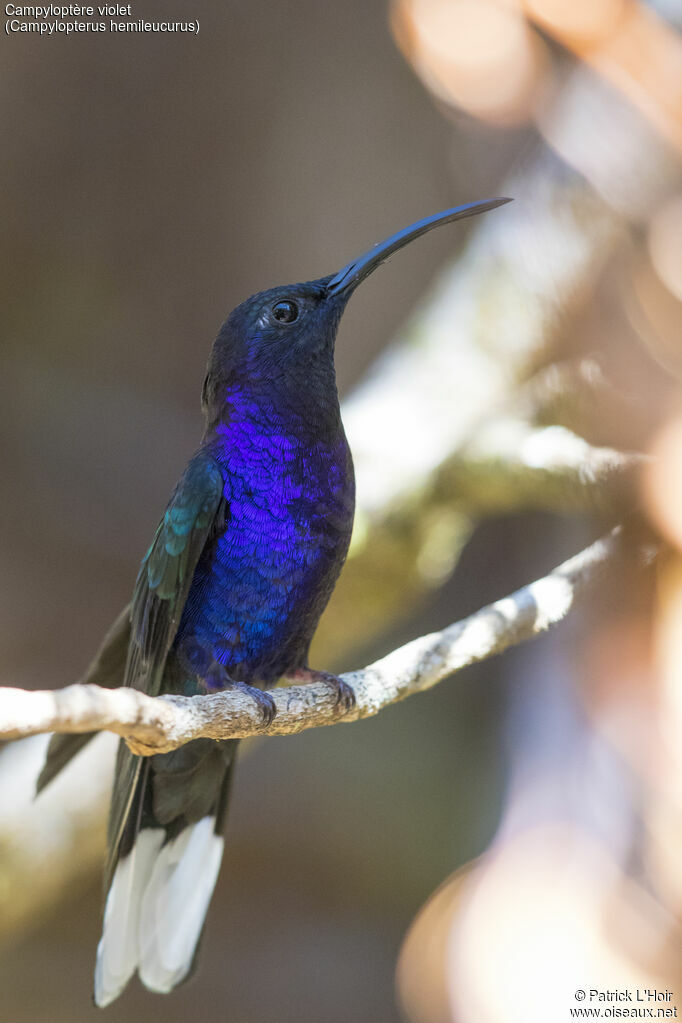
262 583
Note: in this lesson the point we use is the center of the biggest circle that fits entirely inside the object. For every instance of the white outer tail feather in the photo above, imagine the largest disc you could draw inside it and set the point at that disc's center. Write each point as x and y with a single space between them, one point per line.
175 904
155 909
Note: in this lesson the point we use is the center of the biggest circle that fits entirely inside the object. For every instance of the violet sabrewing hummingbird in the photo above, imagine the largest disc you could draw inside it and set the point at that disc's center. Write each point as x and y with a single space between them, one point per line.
229 594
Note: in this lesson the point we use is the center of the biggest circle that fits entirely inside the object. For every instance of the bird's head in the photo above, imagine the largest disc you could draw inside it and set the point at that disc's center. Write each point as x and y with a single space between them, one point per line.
289 331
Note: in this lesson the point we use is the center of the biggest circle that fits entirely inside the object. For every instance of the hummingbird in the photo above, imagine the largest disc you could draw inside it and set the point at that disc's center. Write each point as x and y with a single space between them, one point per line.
228 595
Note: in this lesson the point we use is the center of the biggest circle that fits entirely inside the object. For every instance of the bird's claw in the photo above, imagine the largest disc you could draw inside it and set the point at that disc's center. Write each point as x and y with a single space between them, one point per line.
345 694
217 679
344 697
265 703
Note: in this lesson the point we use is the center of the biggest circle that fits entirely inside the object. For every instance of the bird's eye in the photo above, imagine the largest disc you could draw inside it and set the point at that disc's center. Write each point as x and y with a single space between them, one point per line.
285 312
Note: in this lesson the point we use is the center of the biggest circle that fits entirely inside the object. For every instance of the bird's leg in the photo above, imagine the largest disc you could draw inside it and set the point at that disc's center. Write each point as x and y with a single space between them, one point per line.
344 695
217 679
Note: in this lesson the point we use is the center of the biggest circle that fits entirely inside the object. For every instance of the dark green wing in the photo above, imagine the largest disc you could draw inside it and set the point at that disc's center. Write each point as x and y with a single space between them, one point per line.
135 648
196 512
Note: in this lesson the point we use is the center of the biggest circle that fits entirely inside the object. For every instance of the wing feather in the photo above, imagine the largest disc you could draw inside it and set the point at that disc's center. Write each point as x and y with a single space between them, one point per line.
195 513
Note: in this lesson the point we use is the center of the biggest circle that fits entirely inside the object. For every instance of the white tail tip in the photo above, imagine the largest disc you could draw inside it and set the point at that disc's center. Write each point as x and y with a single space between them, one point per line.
157 928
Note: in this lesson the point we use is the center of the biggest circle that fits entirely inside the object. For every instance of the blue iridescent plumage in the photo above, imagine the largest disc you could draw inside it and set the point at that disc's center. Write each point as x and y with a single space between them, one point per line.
259 588
229 593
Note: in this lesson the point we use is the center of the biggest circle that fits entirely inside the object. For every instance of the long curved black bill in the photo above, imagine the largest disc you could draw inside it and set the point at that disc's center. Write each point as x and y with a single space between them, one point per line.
351 275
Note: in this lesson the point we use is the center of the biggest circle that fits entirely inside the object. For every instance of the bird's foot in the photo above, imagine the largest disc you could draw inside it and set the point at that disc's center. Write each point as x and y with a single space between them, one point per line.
344 695
265 703
217 679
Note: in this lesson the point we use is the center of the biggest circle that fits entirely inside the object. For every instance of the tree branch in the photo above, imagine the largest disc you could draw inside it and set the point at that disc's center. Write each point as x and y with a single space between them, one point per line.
510 465
158 724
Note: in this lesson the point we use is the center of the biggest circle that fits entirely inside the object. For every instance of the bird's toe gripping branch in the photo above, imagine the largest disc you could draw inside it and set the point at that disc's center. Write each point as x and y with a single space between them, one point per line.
217 679
264 701
343 693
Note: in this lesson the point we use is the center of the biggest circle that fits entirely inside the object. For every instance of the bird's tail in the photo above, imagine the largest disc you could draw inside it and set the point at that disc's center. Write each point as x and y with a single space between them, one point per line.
165 848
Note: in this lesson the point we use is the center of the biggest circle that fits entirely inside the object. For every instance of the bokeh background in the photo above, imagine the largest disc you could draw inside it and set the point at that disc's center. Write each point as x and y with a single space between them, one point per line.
148 184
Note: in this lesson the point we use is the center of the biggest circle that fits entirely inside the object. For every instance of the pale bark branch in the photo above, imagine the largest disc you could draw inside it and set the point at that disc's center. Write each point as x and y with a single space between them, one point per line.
158 724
